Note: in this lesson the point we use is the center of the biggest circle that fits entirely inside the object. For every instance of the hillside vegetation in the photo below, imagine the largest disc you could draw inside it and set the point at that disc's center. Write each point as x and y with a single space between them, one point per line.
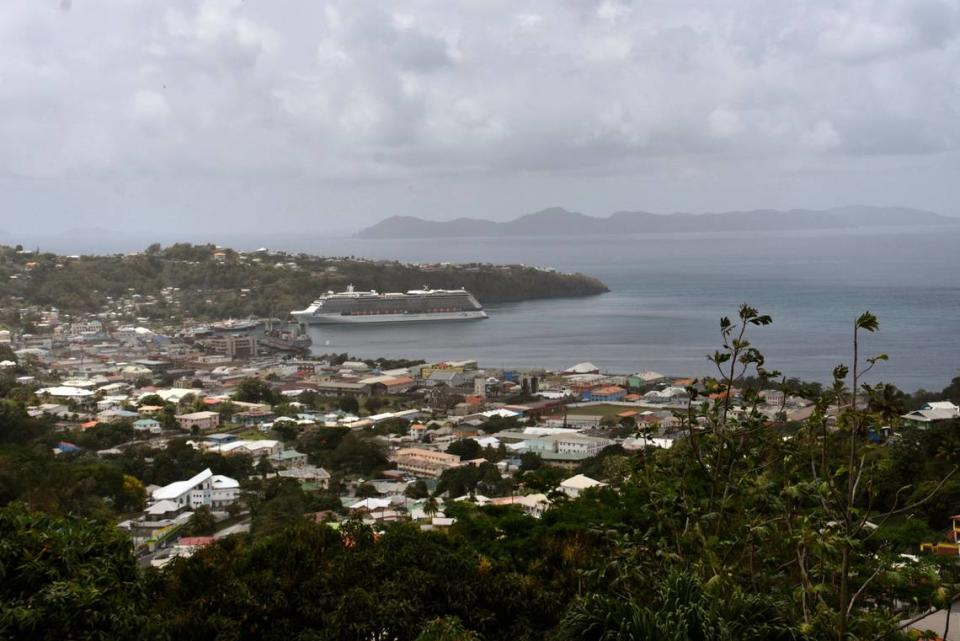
217 283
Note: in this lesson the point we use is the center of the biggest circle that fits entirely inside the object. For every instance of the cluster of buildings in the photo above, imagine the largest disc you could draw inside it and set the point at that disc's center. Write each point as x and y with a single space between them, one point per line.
183 383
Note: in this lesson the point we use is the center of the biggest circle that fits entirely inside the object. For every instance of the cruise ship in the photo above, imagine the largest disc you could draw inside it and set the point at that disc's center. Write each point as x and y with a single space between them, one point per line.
417 305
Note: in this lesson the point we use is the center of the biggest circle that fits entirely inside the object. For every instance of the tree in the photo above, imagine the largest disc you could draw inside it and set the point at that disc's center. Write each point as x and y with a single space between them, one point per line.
202 522
373 404
348 404
358 455
446 629
286 430
482 479
417 490
885 400
132 495
678 606
530 461
16 426
466 448
254 390
153 399
264 467
367 490
69 578
496 424
431 506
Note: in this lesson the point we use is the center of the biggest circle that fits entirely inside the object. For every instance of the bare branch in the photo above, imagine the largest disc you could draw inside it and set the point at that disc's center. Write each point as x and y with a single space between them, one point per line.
863 587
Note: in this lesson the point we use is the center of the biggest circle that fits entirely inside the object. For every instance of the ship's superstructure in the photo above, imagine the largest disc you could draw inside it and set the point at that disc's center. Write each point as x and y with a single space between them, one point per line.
424 304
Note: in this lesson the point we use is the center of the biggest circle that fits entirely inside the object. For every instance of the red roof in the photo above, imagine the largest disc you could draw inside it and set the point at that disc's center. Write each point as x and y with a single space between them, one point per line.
196 541
610 389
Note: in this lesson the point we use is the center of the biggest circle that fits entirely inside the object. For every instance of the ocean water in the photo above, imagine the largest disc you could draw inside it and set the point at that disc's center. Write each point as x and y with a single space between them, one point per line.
669 291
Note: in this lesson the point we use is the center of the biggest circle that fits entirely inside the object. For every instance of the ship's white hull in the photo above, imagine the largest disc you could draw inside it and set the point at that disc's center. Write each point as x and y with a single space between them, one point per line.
307 318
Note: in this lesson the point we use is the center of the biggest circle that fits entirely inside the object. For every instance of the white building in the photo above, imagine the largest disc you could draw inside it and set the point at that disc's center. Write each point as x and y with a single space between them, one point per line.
256 449
206 488
80 328
564 446
933 412
576 485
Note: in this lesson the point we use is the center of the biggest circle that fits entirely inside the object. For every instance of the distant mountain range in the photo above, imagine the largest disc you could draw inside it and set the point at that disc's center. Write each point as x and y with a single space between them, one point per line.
557 221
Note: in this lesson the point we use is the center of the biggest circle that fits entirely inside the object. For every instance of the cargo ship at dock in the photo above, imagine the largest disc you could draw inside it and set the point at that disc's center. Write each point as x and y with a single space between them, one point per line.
417 305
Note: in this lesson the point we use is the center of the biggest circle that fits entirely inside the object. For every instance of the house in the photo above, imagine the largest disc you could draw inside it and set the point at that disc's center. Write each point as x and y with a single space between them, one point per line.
645 379
672 394
450 378
576 485
163 510
204 489
116 416
148 410
423 462
342 388
252 418
932 413
172 395
532 504
150 425
385 384
936 622
560 447
607 393
201 420
370 504
582 368
220 439
255 448
417 430
288 459
191 543
308 476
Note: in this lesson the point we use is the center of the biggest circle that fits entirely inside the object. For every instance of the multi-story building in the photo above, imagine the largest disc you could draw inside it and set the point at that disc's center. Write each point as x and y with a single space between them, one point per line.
423 462
204 489
233 346
201 420
566 447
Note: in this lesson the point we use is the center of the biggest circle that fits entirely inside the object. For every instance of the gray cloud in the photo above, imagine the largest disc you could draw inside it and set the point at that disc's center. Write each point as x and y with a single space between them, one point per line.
363 108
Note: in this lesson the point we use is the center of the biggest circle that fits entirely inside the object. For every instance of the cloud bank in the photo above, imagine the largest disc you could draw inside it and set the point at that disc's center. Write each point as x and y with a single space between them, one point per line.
355 108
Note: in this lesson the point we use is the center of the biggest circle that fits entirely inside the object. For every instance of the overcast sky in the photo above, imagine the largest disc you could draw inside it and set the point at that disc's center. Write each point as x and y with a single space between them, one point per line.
200 114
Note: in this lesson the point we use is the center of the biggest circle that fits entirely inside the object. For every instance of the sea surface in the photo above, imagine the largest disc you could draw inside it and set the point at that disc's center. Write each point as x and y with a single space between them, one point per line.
668 293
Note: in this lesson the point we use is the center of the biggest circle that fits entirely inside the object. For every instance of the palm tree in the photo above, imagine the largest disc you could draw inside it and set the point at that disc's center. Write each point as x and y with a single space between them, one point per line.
887 401
431 506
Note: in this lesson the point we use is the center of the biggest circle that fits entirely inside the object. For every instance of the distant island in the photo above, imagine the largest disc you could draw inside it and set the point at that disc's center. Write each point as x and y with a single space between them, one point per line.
207 282
557 221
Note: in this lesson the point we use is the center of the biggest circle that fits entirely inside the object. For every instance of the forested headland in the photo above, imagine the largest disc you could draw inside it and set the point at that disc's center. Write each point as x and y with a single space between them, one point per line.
208 282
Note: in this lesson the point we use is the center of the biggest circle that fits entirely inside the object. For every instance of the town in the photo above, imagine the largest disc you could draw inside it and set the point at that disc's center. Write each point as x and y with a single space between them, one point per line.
375 441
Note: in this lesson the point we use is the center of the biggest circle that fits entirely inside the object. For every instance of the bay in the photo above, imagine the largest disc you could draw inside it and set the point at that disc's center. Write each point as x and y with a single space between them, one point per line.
669 291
